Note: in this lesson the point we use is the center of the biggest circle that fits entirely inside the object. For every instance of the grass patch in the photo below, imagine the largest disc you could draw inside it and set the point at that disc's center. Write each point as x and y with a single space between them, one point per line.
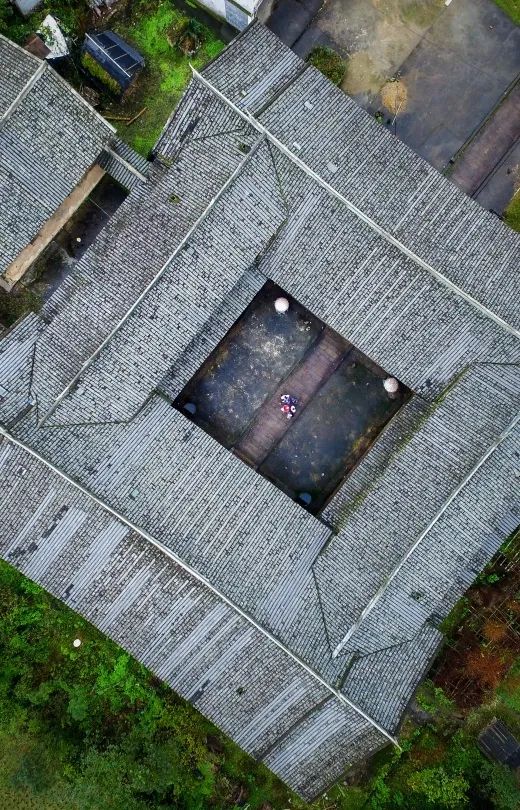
329 63
512 213
511 8
154 29
99 73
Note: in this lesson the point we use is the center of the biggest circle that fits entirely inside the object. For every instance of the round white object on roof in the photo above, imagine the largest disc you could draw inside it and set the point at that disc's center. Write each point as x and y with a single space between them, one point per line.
76 642
281 305
391 385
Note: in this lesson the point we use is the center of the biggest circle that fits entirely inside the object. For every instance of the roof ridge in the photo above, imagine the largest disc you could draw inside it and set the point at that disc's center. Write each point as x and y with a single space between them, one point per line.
199 577
458 489
29 84
446 282
34 78
153 282
83 101
129 166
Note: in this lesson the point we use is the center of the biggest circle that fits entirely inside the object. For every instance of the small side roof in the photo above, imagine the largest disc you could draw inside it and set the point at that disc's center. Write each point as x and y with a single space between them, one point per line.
498 743
49 138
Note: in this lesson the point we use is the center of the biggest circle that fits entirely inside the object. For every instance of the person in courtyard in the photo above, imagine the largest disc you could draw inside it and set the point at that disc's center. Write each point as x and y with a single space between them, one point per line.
288 406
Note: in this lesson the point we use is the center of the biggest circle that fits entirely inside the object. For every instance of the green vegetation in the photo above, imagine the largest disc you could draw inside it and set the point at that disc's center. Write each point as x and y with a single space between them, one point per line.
329 63
91 729
17 303
511 8
155 29
72 14
99 72
159 31
512 212
6 15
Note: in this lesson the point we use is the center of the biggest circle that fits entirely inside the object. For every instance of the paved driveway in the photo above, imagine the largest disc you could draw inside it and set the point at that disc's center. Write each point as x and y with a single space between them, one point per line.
455 76
455 62
489 168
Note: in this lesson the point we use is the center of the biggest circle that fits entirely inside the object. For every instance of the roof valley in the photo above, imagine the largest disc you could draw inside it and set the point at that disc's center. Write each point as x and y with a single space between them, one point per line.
152 283
467 478
200 578
450 285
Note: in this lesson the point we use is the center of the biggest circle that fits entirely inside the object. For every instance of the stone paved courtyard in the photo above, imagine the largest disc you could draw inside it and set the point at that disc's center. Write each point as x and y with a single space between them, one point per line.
342 403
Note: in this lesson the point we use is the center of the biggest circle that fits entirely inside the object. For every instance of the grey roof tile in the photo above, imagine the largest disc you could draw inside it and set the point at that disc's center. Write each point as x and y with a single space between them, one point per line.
18 66
407 197
246 604
49 140
383 682
225 665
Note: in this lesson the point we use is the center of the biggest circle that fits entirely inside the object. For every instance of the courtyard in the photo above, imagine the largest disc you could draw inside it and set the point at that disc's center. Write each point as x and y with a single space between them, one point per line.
340 400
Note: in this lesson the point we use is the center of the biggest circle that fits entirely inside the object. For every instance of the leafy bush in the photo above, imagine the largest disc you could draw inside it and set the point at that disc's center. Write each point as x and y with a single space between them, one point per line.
329 63
439 788
6 15
504 789
433 699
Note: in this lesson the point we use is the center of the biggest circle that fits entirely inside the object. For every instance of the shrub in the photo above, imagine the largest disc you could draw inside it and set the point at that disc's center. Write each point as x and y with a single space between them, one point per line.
503 787
6 15
486 667
433 699
99 73
439 788
329 63
494 630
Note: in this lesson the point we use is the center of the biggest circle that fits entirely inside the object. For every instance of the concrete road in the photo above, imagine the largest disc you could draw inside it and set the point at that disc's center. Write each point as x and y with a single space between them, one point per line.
455 62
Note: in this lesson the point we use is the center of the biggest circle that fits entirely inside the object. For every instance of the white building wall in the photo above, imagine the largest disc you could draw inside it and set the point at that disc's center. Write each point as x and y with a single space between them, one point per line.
237 13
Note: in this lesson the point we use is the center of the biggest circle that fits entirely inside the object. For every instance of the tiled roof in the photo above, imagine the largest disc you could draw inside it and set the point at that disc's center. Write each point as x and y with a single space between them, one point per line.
49 138
267 171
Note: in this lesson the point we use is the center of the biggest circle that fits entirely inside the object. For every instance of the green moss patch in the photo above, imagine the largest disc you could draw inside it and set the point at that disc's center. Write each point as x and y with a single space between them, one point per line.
512 213
511 8
17 303
156 29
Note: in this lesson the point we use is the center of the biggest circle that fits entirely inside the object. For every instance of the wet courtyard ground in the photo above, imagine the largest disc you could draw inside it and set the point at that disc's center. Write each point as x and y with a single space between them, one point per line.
260 350
342 403
57 261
